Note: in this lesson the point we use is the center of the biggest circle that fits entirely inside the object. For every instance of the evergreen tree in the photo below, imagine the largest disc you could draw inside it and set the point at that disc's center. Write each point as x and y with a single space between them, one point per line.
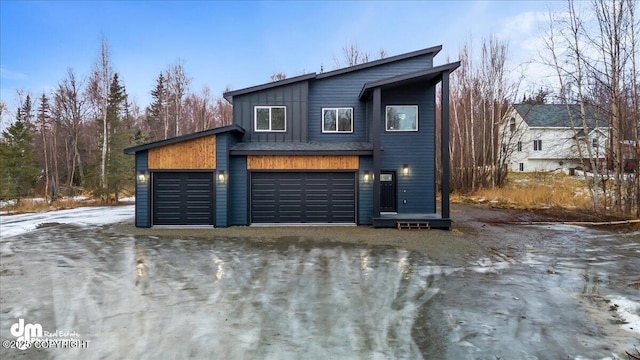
120 167
44 117
17 156
157 110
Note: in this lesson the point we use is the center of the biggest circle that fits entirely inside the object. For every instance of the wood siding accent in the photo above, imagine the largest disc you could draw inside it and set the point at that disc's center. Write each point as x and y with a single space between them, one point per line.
187 155
303 162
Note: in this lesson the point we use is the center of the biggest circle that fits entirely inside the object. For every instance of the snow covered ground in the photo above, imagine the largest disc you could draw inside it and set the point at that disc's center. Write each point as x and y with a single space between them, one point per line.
12 225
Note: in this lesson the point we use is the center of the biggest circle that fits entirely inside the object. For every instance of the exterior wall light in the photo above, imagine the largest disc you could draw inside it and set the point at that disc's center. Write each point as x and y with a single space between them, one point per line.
221 176
143 176
405 169
366 177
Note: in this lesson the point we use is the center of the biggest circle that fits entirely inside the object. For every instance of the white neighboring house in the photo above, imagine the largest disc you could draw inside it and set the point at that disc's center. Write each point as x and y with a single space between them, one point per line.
543 137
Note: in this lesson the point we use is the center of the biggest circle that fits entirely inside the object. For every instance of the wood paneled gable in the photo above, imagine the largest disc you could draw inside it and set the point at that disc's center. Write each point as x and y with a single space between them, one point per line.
192 154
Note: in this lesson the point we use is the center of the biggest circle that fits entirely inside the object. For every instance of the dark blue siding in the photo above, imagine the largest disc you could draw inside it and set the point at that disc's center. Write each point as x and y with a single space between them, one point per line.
365 192
142 192
293 97
238 191
416 149
343 91
222 162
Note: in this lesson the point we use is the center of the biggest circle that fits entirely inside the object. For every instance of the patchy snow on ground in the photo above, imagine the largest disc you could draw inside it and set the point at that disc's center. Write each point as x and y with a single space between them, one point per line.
128 199
12 225
628 312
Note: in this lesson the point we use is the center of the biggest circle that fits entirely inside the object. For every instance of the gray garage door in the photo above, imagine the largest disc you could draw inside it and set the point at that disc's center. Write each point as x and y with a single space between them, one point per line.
304 197
183 198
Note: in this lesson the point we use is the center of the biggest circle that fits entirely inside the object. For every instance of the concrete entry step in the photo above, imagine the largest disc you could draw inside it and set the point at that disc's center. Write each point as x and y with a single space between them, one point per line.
418 225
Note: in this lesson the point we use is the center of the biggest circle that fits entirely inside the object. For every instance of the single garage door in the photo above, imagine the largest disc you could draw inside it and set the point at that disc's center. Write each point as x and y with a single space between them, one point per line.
304 197
183 198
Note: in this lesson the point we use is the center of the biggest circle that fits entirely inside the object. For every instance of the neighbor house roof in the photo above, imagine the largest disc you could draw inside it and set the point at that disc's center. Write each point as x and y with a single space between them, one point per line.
556 115
306 77
134 149
416 76
317 148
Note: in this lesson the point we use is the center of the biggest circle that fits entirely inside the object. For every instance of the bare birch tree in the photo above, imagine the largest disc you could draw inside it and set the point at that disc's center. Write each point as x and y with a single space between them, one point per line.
178 86
99 94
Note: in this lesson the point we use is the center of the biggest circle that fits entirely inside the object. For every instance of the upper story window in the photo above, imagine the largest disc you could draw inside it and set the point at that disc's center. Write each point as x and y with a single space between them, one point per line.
337 120
537 145
402 118
594 143
270 118
512 125
519 145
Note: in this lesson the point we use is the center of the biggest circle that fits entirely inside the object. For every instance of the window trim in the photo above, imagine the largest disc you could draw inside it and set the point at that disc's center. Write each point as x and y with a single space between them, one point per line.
270 107
519 146
337 110
386 119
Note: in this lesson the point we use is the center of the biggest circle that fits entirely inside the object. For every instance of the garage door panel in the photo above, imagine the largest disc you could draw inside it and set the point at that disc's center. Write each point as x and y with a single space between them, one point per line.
303 197
183 198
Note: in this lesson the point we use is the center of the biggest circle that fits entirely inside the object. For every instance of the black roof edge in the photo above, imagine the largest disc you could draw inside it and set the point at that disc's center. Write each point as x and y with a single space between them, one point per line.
134 149
405 77
300 152
230 94
432 50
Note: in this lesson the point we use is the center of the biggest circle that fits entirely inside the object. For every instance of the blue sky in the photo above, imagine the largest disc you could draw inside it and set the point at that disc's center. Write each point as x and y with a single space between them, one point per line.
239 44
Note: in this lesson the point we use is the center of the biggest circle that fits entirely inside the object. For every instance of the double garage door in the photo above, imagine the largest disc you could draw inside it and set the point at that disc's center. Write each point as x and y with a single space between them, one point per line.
303 197
187 198
183 198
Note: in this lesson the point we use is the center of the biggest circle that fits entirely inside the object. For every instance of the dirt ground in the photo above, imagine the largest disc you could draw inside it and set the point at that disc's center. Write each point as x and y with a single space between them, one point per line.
476 230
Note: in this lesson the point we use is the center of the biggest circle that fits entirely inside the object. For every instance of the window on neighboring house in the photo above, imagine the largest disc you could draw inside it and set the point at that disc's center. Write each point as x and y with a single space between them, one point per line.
537 145
504 147
337 120
512 125
402 118
519 145
594 143
270 118
521 166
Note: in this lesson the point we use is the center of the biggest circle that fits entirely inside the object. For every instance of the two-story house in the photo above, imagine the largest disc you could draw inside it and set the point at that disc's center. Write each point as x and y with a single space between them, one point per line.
547 137
350 146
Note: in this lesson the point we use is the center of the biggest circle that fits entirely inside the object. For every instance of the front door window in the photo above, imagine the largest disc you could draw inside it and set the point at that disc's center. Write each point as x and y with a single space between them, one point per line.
388 191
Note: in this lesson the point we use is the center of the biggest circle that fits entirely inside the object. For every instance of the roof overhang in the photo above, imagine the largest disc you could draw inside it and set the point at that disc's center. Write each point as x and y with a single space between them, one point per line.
433 75
314 148
231 128
306 77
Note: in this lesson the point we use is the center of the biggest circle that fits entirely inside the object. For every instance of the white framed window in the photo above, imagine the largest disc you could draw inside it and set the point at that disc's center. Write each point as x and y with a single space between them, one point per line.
402 118
270 118
337 120
519 145
594 143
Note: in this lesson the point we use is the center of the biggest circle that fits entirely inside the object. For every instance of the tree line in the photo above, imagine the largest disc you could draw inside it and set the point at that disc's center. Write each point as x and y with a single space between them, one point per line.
71 140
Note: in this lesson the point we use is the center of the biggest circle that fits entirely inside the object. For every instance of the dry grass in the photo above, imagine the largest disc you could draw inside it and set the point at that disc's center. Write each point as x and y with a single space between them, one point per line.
533 191
40 205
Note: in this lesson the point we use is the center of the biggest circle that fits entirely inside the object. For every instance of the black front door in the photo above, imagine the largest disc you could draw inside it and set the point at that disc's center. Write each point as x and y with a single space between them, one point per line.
388 191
